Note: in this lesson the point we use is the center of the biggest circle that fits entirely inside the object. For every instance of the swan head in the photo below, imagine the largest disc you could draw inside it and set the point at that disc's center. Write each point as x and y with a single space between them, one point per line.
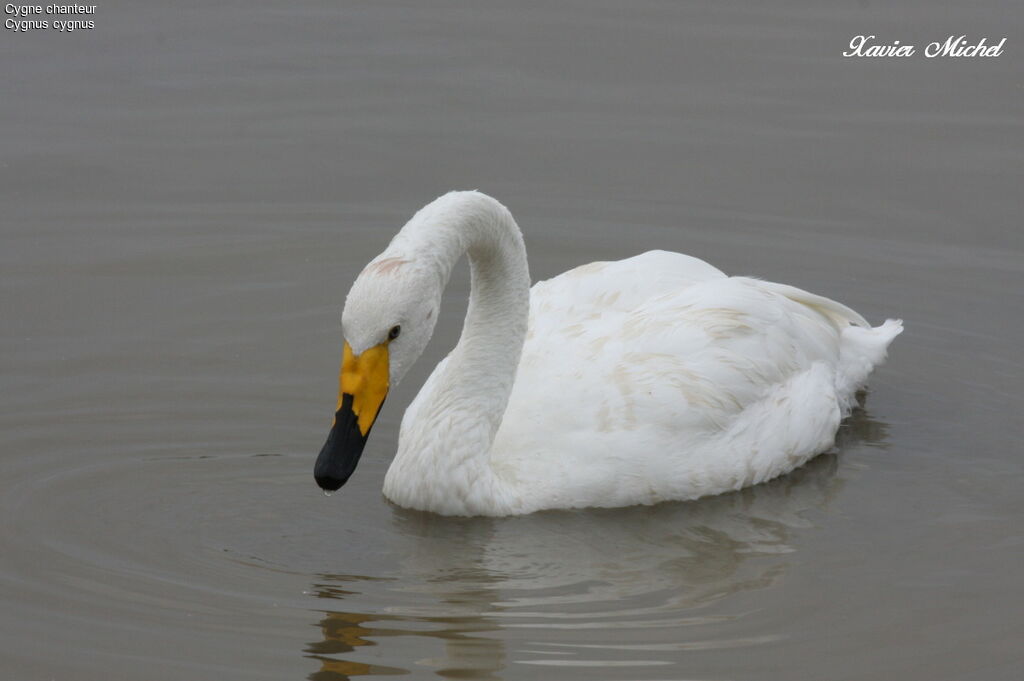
388 319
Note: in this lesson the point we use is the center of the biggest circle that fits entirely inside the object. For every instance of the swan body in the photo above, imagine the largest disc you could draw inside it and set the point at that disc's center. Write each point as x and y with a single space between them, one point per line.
649 379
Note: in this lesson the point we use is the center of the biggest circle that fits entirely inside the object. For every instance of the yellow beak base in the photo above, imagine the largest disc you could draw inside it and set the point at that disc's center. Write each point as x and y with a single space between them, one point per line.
366 379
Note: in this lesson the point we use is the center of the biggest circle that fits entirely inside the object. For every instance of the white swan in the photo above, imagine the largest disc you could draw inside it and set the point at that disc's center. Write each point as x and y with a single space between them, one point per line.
616 383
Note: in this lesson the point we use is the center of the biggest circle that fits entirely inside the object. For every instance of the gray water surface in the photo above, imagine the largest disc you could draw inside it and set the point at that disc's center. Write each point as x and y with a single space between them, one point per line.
188 191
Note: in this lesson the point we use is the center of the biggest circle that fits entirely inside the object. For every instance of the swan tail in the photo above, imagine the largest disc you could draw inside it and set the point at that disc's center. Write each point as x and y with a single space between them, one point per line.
860 351
861 346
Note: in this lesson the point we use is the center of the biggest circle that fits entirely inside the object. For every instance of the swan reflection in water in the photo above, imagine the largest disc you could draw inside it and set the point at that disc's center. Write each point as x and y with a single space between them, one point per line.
602 590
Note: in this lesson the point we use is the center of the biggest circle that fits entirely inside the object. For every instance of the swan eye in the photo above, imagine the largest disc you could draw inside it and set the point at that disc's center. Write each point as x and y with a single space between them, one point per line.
393 333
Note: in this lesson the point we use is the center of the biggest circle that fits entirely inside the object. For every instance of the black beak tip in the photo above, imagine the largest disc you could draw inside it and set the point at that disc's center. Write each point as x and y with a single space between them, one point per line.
329 483
338 458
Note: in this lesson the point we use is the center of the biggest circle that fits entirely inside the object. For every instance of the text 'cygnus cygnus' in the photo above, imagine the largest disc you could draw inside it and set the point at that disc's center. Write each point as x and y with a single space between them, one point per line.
616 383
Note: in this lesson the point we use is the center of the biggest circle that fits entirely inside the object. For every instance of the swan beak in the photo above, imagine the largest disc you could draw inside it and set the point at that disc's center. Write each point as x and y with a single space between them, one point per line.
363 385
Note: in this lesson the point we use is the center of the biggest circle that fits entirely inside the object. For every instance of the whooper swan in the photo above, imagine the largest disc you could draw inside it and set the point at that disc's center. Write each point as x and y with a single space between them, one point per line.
632 382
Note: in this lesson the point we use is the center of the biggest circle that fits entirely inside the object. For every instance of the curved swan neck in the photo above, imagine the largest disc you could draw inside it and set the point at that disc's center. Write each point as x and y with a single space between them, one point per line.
482 367
445 445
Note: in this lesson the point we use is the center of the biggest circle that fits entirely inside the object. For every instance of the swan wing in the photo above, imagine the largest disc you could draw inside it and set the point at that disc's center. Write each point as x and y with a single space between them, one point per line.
659 377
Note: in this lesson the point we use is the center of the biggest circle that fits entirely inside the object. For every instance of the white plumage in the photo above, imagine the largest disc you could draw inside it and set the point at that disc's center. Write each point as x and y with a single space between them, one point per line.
653 378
